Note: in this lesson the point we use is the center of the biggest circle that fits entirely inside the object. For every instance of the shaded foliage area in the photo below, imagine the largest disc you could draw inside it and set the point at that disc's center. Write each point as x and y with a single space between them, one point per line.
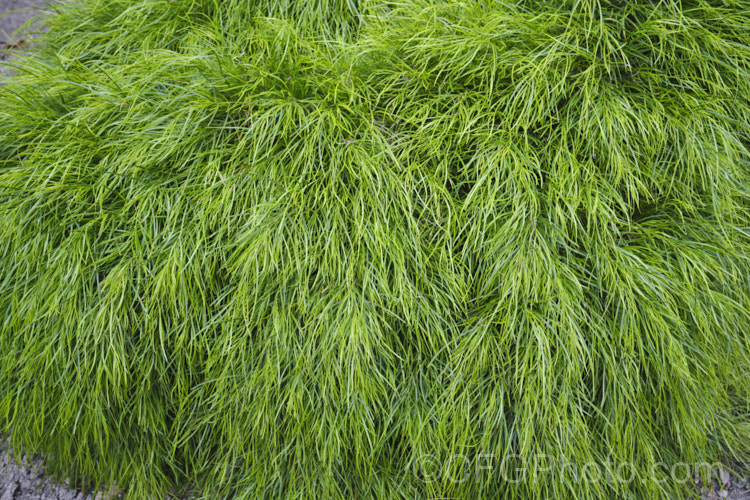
288 249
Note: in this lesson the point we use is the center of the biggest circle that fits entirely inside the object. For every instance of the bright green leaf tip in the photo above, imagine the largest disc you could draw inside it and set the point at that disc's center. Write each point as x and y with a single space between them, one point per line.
276 249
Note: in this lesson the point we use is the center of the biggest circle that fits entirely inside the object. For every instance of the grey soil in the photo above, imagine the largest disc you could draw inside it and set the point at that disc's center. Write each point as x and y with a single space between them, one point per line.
27 481
11 21
11 18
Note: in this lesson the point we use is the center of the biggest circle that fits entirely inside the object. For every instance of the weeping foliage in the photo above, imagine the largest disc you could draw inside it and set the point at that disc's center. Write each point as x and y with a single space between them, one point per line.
277 249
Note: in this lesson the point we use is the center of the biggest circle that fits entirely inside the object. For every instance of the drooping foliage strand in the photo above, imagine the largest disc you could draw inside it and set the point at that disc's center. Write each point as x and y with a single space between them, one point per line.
290 249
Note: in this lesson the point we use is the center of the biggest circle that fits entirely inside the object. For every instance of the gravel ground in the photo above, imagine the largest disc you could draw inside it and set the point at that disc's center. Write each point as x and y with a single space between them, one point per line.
26 481
9 22
730 487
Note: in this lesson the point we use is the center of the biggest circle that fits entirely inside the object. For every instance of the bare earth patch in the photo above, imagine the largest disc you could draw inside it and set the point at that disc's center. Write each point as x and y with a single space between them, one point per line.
27 481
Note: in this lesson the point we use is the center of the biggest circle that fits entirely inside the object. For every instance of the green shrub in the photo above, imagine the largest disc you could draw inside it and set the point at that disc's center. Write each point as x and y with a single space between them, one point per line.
321 249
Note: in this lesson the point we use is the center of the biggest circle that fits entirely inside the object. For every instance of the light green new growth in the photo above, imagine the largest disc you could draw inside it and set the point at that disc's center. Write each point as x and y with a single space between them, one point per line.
277 249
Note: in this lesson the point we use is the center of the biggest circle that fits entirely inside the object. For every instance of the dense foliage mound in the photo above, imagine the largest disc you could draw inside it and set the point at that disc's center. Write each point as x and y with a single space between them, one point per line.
374 249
